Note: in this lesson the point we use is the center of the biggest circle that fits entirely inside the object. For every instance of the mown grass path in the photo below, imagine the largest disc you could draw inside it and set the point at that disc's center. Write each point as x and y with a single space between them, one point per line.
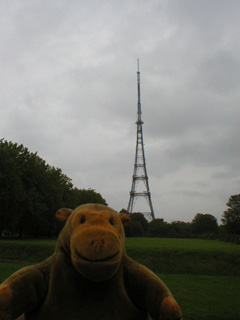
203 275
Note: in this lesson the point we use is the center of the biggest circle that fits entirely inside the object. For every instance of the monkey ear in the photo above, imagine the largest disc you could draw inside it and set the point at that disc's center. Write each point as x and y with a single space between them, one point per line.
125 219
63 214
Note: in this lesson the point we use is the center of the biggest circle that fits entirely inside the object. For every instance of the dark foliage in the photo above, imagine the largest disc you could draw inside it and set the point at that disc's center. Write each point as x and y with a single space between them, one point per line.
204 223
231 216
31 192
203 226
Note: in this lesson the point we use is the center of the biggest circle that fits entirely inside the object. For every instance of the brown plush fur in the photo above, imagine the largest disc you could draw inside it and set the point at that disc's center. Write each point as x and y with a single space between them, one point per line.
88 277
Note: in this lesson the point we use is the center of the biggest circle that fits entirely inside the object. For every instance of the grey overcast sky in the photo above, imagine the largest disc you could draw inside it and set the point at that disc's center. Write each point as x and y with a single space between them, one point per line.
68 91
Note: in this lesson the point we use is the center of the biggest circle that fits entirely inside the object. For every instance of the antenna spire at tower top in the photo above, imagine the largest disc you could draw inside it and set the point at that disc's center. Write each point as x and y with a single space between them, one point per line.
138 65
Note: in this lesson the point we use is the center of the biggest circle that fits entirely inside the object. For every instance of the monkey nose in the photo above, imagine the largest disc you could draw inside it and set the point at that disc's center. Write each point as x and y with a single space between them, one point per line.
98 243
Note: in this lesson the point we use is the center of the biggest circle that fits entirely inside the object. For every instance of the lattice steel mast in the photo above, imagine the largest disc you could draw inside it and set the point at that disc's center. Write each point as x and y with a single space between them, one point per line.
140 170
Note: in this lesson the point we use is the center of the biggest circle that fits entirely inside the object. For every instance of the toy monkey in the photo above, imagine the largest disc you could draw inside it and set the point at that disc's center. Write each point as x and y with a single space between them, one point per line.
89 276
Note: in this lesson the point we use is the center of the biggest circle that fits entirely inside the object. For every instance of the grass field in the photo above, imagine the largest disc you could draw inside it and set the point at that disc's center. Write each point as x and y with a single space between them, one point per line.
166 244
203 275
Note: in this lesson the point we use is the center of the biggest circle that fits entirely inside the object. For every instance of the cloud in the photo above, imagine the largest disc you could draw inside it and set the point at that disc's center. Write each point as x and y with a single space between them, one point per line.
68 90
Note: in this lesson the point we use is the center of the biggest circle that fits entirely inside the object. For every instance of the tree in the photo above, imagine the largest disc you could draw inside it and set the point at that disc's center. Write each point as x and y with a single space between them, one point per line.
123 211
11 188
158 228
231 216
180 229
204 223
134 230
138 226
139 217
82 196
31 191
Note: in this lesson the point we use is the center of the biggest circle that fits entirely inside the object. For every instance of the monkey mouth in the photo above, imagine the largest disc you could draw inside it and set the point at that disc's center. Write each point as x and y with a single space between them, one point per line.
97 260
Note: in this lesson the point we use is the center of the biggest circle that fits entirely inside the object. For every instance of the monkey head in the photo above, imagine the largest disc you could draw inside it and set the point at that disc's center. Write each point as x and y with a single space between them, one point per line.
95 236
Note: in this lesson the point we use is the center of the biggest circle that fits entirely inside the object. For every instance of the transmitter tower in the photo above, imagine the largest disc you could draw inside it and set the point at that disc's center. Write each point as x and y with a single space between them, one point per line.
140 170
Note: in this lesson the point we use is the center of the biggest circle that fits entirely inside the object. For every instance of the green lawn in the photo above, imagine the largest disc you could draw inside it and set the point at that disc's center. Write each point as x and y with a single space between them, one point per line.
205 297
6 269
180 245
186 256
203 275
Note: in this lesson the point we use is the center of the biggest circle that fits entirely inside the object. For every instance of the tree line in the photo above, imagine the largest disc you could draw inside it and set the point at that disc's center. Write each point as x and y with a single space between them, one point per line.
202 226
31 191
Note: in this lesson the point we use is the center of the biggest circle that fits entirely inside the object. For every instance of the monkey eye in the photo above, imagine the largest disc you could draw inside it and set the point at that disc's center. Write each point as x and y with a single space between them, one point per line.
82 220
111 221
